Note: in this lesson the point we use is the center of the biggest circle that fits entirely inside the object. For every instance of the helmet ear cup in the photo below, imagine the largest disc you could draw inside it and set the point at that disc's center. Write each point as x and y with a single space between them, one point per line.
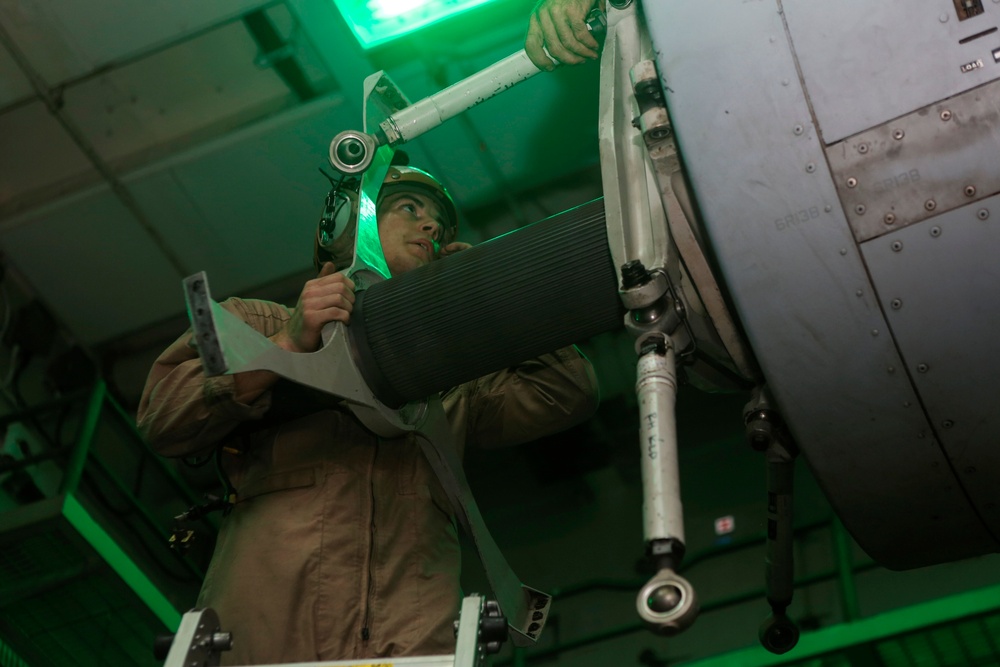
336 218
334 240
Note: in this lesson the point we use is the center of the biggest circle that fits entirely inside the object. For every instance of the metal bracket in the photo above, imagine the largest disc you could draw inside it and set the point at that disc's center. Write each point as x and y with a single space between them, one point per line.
200 641
658 136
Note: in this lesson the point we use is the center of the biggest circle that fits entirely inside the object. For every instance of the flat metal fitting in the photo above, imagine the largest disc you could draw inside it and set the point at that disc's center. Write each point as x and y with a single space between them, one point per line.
645 295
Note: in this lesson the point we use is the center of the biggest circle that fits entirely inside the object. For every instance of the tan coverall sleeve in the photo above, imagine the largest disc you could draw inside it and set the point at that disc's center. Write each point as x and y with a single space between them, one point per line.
531 400
182 412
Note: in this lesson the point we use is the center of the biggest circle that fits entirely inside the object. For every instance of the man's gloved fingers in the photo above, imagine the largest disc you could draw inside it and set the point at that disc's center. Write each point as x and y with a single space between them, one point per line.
553 39
574 36
584 36
329 279
533 46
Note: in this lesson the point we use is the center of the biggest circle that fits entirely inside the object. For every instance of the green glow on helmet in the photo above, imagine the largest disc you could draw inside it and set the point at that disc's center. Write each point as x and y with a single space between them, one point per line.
375 22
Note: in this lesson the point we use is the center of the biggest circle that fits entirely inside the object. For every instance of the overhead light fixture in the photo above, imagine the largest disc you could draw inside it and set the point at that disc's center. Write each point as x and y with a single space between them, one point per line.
376 22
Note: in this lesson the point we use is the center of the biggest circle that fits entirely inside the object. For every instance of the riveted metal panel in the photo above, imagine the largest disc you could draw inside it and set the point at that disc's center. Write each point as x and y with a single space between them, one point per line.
921 165
802 292
939 283
852 53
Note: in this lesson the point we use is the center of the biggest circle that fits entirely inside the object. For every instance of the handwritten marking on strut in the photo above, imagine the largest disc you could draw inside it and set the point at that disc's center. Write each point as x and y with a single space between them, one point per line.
654 445
652 449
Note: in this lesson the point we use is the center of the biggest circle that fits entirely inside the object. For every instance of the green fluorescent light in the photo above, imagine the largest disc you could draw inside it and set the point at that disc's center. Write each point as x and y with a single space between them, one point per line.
375 22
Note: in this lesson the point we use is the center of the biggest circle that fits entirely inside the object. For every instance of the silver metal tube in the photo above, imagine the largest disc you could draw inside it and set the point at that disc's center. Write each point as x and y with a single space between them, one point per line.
656 391
431 111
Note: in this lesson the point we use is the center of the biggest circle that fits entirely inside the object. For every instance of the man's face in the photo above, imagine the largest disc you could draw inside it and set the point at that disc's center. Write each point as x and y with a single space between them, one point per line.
410 226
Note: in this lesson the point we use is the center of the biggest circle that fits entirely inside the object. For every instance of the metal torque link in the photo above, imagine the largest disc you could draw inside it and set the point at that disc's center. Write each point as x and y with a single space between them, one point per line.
351 152
639 237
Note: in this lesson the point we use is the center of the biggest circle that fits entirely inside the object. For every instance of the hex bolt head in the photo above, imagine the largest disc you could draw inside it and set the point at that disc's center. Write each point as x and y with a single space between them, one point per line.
852 182
930 204
647 87
658 133
889 218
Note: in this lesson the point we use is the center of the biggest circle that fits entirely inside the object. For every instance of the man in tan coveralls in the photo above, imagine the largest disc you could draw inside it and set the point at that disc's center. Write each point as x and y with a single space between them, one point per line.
342 545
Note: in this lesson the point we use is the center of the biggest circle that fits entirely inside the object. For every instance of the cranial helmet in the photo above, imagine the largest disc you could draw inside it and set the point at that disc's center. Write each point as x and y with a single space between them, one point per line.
337 228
